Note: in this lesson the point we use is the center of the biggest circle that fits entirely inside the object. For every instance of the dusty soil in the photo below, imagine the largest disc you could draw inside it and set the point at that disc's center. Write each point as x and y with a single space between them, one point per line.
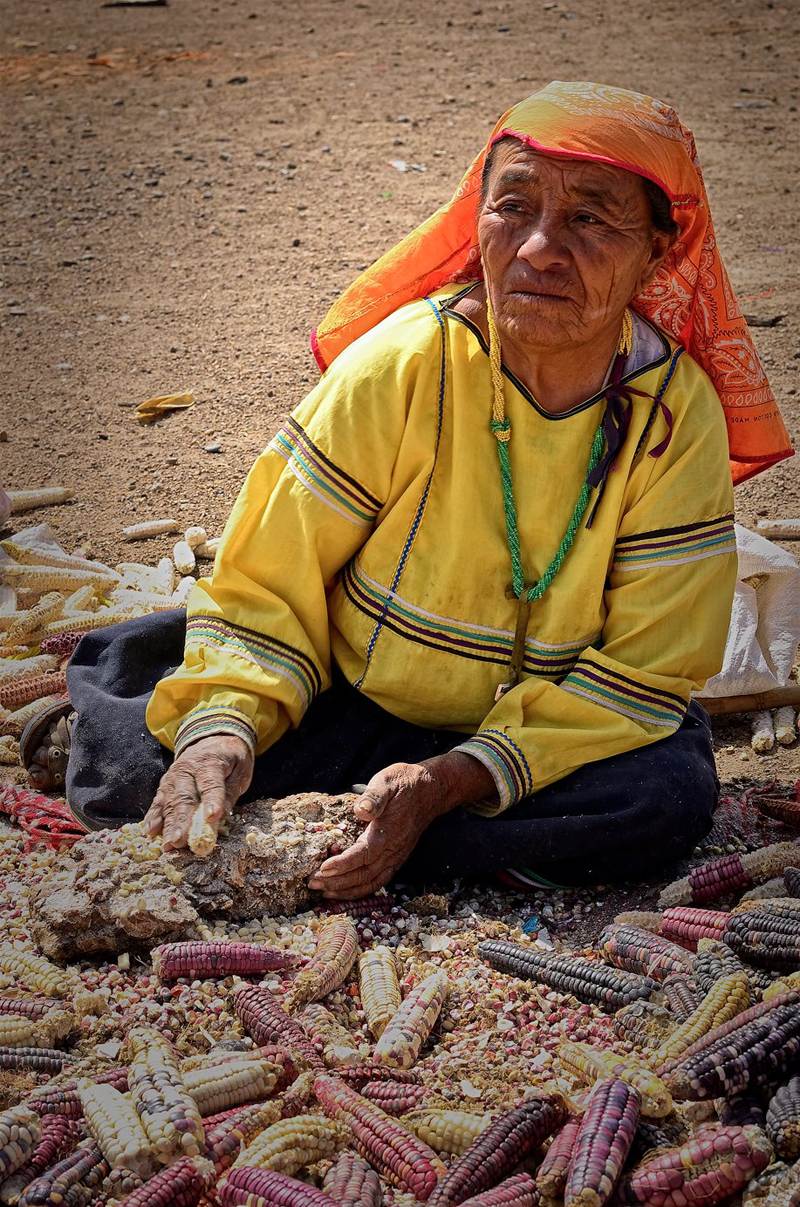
187 187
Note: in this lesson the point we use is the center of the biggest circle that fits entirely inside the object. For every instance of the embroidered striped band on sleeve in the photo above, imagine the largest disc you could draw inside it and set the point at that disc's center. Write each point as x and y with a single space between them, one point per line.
207 720
325 480
503 758
676 546
648 705
273 656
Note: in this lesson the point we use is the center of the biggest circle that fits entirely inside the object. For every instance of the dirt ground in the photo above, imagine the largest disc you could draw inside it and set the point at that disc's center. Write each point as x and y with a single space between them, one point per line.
186 187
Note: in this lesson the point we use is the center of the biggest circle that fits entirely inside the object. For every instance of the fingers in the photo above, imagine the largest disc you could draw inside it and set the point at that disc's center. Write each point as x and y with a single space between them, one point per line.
359 855
214 793
154 817
375 798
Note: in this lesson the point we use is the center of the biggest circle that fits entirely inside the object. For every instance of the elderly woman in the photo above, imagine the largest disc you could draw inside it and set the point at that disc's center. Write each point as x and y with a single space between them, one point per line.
481 569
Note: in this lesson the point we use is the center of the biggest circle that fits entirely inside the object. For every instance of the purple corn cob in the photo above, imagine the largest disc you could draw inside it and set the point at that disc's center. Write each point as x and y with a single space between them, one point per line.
602 1144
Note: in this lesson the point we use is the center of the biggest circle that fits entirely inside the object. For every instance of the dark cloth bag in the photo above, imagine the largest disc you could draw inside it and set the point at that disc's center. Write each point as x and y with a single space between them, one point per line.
621 818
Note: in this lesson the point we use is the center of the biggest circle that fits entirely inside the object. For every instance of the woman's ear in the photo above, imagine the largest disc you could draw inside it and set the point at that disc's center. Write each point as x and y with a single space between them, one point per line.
661 245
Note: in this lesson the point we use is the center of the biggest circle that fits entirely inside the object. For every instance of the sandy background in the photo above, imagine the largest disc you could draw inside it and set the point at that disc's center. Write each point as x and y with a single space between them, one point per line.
184 189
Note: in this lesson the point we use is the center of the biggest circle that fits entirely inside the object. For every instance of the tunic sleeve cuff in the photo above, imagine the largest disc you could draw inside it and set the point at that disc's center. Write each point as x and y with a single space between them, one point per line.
205 721
506 763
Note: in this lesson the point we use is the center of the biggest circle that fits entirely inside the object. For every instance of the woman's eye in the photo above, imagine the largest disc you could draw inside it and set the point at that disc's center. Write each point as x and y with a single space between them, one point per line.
588 219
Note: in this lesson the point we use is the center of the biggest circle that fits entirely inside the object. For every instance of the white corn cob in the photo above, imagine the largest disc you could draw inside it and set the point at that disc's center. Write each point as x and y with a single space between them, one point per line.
183 557
84 622
128 598
56 578
784 530
45 496
28 623
202 836
182 591
116 1128
762 730
46 555
14 722
20 1130
138 532
35 972
26 668
785 732
221 1087
164 581
83 600
195 535
292 1144
208 550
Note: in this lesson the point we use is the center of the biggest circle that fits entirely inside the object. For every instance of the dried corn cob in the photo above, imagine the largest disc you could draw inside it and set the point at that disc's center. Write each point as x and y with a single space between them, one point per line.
34 971
378 904
602 1144
230 1084
226 1140
611 988
409 1027
729 874
786 984
685 925
85 622
519 1191
741 1110
336 1044
146 528
27 625
729 997
713 961
26 668
791 878
551 1176
641 951
767 934
58 1139
681 994
777 1186
73 1182
14 722
65 1100
394 1097
713 1165
593 1064
183 558
389 1148
39 1060
293 1144
208 550
446 1131
265 1020
181 1185
754 1054
351 1182
43 496
61 646
9 751
380 990
85 599
360 1075
207 960
296 1097
20 1132
29 1007
169 1114
783 1119
274 1054
114 1125
266 1188
16 1031
732 1026
57 578
652 1137
336 953
497 1152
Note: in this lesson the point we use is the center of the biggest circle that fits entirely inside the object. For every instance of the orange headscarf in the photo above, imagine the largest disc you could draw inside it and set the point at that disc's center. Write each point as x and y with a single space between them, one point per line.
691 298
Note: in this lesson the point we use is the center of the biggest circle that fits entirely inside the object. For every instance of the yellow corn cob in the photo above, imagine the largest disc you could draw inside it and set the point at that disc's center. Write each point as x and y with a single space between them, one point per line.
336 953
44 496
18 1031
783 985
114 1125
57 578
37 973
410 1025
221 1087
446 1131
594 1064
292 1144
729 996
83 600
380 990
169 1114
26 668
338 1045
202 836
14 722
195 535
138 532
28 623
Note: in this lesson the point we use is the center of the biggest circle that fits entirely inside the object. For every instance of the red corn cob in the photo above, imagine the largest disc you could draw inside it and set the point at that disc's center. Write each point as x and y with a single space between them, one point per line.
265 1020
360 1075
551 1176
499 1150
686 925
362 907
713 1165
519 1191
603 1143
388 1147
336 954
641 951
200 961
30 1007
62 644
74 1181
352 1182
180 1185
65 1099
730 874
57 1140
394 1097
246 1187
39 1060
22 691
681 994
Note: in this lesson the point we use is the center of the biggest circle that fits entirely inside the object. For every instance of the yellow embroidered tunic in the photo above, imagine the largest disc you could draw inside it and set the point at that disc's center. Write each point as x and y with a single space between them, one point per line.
371 532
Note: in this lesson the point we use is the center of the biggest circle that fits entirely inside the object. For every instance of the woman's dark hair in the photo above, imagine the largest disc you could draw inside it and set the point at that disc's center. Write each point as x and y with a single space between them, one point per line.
660 207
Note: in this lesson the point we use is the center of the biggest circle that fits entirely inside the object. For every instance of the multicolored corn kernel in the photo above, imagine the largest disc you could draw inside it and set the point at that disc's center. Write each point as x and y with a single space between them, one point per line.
591 1064
603 1142
551 1176
112 1122
208 960
767 934
65 1100
395 1097
641 951
183 1184
755 1053
34 971
352 1182
17 1031
265 1020
221 1087
446 1131
611 988
293 1144
24 691
389 1148
58 1138
519 1191
336 954
20 1132
643 1024
729 874
265 1188
225 1141
727 998
783 1119
74 1181
360 1075
681 994
168 1112
712 1166
741 1110
379 986
338 1046
409 1027
713 961
38 1060
496 1153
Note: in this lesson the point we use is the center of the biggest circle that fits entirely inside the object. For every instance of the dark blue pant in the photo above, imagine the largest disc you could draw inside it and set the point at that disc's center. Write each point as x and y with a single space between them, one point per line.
622 818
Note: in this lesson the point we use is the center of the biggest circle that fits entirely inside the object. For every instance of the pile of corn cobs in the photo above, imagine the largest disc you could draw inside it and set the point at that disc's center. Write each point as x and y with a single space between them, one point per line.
375 1055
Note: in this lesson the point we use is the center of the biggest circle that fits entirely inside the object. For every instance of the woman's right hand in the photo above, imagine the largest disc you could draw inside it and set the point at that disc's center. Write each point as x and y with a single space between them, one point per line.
213 773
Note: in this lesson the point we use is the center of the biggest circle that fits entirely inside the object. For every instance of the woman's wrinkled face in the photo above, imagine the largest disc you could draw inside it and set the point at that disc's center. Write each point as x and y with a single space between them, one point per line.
565 246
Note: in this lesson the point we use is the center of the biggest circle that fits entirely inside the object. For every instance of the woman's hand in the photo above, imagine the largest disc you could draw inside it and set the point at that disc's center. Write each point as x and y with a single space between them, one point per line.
212 772
399 803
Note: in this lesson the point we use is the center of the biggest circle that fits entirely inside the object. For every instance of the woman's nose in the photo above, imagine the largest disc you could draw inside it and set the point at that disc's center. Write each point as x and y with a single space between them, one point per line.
544 245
